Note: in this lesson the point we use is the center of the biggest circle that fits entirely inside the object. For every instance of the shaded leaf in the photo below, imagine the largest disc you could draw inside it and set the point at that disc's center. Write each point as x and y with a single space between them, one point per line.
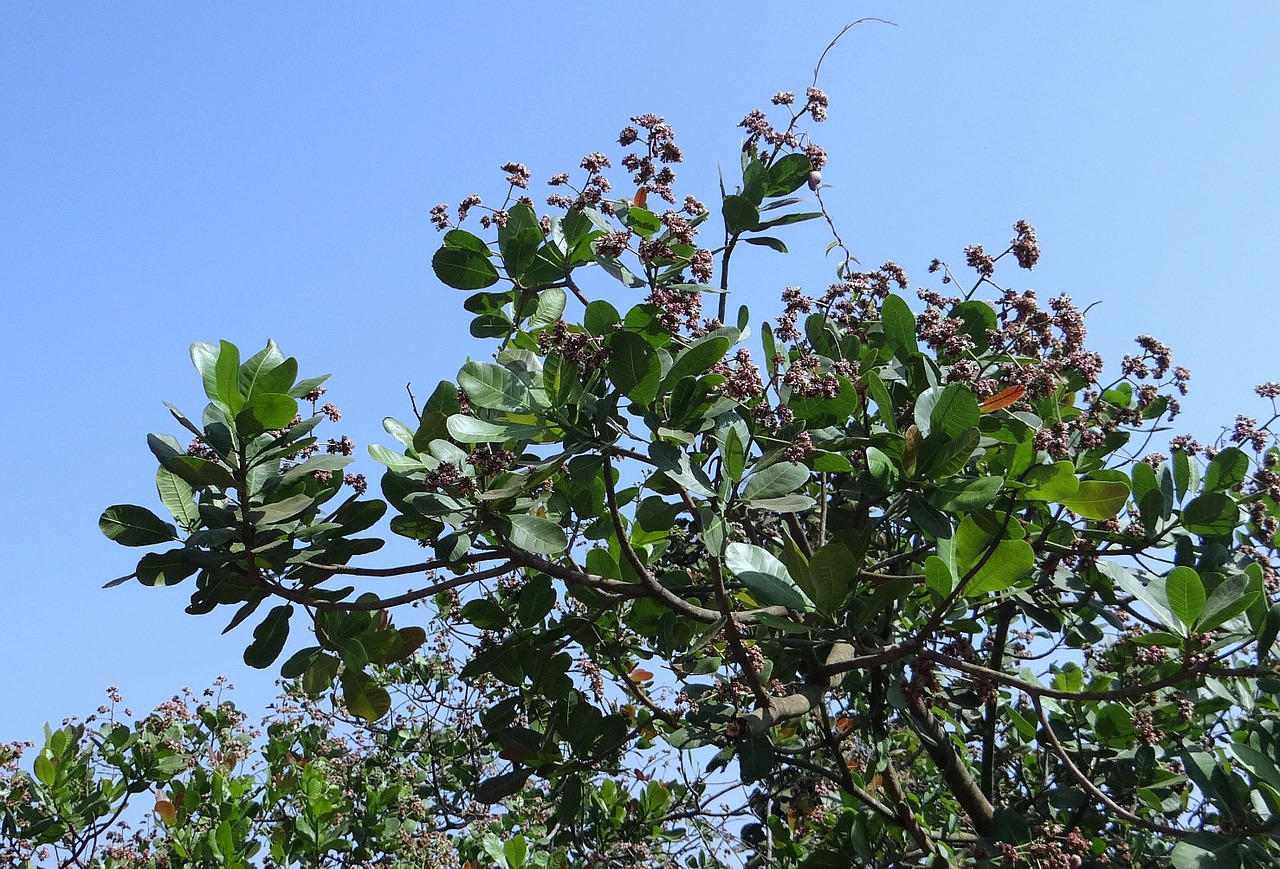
130 525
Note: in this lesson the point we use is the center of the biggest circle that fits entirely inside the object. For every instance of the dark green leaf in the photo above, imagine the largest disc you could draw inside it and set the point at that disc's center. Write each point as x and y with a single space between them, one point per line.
755 758
832 572
740 215
269 638
1226 470
1213 514
899 326
537 599
130 525
463 269
165 568
363 697
463 240
787 174
634 367
769 242
600 318
952 409
696 360
519 239
497 788
951 456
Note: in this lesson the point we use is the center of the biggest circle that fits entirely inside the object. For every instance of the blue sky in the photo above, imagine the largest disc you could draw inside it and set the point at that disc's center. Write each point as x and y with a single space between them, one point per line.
182 172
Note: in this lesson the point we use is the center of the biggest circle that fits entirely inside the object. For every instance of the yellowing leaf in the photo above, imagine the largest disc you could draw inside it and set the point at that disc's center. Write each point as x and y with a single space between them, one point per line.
166 810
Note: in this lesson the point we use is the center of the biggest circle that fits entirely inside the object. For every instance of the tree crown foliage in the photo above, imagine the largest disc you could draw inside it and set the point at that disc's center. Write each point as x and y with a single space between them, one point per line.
906 572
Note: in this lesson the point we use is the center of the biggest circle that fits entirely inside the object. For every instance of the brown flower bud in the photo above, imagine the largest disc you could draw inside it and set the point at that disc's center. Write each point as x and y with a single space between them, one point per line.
815 178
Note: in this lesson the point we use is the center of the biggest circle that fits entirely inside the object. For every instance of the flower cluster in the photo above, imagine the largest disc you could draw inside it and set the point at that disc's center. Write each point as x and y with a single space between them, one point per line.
661 147
577 347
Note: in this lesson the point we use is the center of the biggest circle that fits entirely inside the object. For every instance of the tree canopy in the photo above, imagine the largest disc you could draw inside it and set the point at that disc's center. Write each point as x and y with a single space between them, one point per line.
906 576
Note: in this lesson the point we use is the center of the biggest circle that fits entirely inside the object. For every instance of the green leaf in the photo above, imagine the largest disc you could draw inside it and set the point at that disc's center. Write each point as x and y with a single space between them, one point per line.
1232 597
774 481
165 568
535 534
899 326
267 371
1011 561
1150 593
200 472
178 498
634 367
755 758
1099 500
1185 593
551 303
205 358
696 360
299 662
1268 631
643 222
1186 473
515 851
1226 470
269 638
619 272
463 269
269 410
497 788
279 511
537 599
130 525
1205 850
952 456
519 239
320 675
1051 482
469 430
832 571
787 174
1009 825
769 242
952 409
493 387
363 697
1008 562
227 376
964 494
740 215
1213 514
765 577
460 238
784 220
600 318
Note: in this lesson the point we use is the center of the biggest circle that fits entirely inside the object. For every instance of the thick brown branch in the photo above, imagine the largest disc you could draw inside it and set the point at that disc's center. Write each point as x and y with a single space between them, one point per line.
937 744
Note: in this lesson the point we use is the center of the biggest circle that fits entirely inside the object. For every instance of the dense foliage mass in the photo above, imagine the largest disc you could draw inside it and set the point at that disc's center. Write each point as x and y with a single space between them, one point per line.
906 576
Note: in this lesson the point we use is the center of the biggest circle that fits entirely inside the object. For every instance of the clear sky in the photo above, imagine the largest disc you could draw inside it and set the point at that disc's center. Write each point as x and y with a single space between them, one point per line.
180 172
